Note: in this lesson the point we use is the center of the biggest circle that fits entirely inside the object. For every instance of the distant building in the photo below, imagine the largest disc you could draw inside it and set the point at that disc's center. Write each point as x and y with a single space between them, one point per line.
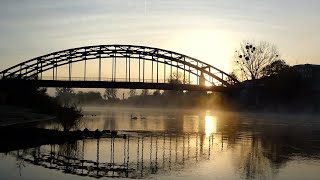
310 73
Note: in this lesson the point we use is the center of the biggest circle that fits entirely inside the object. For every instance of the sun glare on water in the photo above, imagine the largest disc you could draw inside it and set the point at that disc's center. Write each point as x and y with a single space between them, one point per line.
211 125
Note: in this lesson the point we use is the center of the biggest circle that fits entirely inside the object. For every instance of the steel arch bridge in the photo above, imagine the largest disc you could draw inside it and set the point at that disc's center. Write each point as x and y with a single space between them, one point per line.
150 63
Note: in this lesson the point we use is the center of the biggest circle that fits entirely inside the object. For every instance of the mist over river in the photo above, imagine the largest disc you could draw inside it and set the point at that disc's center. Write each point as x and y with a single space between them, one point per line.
176 144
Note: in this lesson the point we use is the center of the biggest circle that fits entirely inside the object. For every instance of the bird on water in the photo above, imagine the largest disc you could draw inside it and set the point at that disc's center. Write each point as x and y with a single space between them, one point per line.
133 117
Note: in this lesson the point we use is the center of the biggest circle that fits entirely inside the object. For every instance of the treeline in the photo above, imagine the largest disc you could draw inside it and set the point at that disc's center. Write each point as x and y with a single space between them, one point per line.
270 84
36 99
153 98
285 91
176 99
68 97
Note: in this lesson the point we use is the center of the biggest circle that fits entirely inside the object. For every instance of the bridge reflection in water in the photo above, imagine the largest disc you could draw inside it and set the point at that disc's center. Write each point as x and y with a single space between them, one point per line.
136 156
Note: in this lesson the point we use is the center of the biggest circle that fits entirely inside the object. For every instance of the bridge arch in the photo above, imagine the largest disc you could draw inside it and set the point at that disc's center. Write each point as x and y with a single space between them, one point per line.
186 64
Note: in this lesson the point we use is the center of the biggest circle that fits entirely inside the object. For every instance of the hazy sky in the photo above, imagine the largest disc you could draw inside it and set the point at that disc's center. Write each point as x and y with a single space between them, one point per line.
209 30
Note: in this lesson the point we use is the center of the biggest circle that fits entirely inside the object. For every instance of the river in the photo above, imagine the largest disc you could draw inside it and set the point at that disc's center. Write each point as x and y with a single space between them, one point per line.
176 144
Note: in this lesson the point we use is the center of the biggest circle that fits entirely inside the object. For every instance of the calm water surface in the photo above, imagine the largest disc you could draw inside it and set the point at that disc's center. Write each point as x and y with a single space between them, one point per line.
176 144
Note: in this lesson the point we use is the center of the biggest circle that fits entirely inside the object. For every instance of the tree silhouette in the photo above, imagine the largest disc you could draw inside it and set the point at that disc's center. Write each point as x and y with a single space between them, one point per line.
251 58
65 96
144 92
234 76
177 79
157 92
87 97
132 92
275 68
110 94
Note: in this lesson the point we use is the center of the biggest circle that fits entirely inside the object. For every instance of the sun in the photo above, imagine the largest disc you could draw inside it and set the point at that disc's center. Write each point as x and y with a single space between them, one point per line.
208 84
210 46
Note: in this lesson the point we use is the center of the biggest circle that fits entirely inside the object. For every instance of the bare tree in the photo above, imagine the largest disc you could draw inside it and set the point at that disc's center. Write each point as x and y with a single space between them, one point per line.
175 79
178 79
234 76
144 92
157 92
132 92
251 58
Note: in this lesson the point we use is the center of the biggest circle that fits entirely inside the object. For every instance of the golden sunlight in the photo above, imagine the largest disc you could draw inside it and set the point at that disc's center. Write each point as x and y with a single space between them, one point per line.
211 125
210 46
207 83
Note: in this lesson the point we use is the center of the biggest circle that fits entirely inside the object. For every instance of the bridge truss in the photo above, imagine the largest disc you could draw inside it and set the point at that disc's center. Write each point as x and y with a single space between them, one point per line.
151 63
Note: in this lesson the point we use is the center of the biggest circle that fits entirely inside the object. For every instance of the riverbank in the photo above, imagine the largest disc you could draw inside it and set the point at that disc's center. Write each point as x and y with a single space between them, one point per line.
12 115
13 138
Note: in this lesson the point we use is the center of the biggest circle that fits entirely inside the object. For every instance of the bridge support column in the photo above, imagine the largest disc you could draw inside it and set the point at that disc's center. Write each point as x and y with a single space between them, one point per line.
126 67
139 68
164 72
129 68
152 70
143 64
70 67
100 68
85 70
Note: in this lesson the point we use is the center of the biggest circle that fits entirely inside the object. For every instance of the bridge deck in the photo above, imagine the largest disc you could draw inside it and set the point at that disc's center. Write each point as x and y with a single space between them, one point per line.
109 84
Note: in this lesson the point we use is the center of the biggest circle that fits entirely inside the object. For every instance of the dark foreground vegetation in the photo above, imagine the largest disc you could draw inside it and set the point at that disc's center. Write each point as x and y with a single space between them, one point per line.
270 84
287 91
38 101
13 138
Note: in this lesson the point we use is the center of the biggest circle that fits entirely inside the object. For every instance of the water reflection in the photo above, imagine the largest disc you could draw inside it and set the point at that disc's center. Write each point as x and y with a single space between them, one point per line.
247 146
210 124
136 156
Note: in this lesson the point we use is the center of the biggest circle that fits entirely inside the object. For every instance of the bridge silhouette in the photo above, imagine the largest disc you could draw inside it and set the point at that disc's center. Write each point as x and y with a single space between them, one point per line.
140 67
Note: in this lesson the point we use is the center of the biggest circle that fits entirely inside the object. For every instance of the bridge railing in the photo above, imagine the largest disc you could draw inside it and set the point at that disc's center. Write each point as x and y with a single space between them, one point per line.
106 79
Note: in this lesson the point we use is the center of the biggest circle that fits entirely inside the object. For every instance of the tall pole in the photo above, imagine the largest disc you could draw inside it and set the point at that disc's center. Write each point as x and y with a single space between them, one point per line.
115 66
112 69
100 67
40 70
69 70
210 76
126 67
100 54
70 66
139 68
85 65
56 65
157 71
52 72
85 70
143 70
197 74
164 72
152 70
177 69
170 68
189 75
129 68
184 70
